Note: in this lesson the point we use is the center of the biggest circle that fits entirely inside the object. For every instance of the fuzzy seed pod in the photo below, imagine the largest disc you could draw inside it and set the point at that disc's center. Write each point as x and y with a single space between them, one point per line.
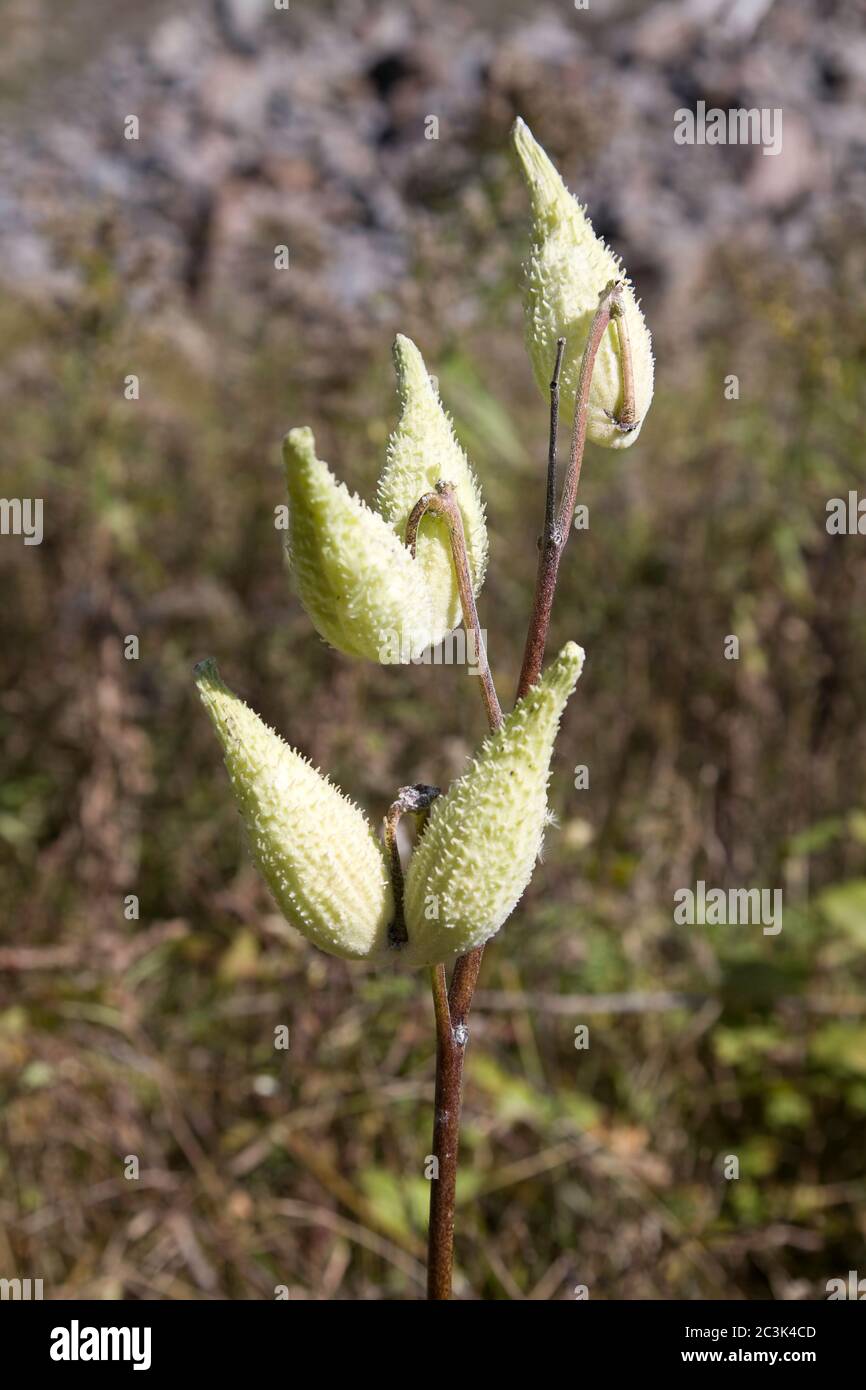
475 857
361 586
314 847
358 582
567 270
423 451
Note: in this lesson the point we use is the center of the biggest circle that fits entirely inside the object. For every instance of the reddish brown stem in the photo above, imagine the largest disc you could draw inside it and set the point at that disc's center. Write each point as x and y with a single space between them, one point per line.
446 1136
416 799
452 1006
556 530
443 503
451 1011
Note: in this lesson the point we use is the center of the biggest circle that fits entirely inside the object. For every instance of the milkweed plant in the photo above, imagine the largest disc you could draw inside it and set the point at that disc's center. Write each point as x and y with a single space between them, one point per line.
386 584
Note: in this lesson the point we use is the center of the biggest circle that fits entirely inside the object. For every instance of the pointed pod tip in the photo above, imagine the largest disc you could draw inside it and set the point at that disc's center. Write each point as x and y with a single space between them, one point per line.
302 467
519 129
523 141
412 374
206 671
572 654
564 672
546 187
538 171
299 445
209 683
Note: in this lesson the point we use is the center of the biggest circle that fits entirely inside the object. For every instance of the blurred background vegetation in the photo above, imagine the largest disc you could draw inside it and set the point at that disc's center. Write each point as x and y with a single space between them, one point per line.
154 1037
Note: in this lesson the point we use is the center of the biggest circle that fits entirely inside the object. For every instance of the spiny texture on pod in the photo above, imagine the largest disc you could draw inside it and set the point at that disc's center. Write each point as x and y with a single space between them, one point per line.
475 857
567 270
423 451
359 583
314 847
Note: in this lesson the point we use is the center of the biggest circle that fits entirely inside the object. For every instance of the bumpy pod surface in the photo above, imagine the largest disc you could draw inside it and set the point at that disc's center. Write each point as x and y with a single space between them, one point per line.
476 855
314 847
423 451
567 269
360 585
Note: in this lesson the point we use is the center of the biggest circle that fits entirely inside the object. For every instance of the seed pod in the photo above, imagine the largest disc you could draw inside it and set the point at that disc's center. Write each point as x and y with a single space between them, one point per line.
423 451
358 582
567 270
361 586
475 858
314 847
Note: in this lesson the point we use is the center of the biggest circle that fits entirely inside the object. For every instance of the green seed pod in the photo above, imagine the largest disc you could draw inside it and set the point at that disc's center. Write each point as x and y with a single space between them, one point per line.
314 847
358 581
423 451
567 270
475 857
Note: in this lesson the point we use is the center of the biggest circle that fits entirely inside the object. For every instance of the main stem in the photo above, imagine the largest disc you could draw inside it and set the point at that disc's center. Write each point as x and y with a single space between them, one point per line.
452 1004
557 528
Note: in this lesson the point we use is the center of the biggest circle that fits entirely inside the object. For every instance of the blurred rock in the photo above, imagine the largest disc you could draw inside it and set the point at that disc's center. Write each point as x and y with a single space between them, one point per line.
309 127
